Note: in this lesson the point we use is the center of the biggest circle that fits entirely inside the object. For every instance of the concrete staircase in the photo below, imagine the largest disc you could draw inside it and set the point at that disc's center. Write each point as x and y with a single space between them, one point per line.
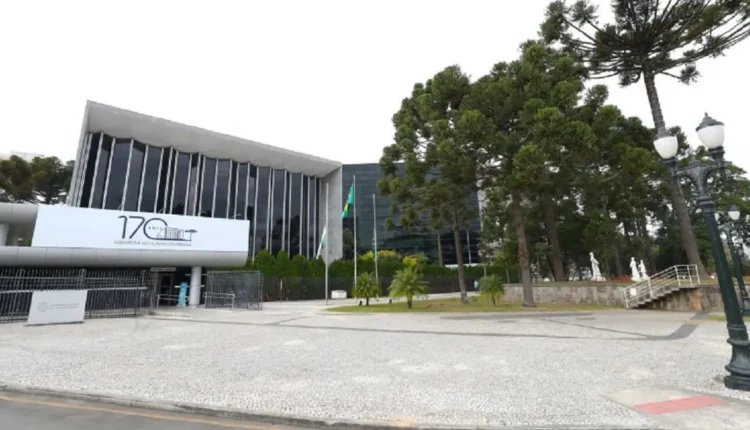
660 285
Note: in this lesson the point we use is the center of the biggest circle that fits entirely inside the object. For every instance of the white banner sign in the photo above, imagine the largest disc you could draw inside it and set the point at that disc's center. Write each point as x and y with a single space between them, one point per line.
57 307
67 227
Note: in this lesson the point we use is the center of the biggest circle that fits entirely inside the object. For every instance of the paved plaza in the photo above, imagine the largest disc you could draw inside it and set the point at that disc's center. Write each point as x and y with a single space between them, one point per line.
586 369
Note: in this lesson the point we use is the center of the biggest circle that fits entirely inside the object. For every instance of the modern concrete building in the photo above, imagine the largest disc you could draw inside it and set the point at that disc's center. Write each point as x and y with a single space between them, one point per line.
127 161
133 165
423 238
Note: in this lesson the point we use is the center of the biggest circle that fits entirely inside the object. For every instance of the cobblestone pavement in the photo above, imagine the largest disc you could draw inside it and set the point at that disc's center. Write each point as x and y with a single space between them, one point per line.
531 369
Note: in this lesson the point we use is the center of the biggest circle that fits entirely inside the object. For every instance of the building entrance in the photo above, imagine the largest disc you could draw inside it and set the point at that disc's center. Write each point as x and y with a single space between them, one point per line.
167 284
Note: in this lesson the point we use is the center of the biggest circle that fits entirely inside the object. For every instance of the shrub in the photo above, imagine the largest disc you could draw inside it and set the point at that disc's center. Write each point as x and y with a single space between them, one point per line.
366 287
491 286
408 283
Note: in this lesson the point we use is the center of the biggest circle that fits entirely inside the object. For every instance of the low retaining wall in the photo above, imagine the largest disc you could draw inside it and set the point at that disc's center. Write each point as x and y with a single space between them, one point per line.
705 298
573 294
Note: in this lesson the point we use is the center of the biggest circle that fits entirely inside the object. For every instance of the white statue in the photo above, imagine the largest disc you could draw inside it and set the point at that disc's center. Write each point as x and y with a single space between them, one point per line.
635 276
596 274
644 274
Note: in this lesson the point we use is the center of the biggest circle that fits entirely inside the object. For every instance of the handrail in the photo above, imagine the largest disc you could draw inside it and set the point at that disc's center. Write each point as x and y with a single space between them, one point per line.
223 296
655 286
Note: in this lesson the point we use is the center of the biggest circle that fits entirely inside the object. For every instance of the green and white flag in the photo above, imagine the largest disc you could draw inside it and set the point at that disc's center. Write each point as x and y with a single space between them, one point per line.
349 202
322 245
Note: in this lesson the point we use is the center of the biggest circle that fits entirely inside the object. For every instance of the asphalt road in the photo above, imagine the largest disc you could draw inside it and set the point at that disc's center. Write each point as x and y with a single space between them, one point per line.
18 412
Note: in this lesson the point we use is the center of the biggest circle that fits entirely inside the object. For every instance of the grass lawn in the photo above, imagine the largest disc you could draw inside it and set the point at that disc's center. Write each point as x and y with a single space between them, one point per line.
722 318
476 304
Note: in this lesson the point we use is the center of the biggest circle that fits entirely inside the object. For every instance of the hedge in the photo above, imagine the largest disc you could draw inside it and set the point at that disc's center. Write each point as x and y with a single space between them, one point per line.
282 266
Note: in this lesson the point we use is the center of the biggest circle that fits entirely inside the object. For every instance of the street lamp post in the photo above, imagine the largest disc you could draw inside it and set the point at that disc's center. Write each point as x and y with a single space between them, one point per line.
711 133
735 249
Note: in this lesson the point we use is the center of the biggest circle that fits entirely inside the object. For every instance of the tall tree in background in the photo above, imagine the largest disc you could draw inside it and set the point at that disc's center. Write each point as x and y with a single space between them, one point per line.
533 140
51 179
439 164
43 180
650 38
16 180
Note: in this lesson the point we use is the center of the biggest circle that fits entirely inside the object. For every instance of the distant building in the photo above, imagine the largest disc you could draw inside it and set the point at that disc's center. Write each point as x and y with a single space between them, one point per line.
421 239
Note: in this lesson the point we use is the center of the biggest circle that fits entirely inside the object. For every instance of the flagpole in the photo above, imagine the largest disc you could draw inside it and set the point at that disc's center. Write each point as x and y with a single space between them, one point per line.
326 255
375 238
354 199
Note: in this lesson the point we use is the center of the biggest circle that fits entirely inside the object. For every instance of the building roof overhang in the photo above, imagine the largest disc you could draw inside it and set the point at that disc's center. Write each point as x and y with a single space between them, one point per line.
185 138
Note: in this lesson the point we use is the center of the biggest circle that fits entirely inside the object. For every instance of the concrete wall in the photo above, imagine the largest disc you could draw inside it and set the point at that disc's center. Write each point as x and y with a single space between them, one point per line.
593 295
335 230
705 298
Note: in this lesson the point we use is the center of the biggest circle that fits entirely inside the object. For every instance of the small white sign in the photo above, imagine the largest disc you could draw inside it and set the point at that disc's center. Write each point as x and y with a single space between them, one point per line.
57 307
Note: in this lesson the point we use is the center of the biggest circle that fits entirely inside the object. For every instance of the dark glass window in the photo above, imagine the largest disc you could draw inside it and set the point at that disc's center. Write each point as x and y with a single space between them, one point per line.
304 232
222 188
313 216
241 180
421 238
150 179
233 172
278 206
192 190
207 189
295 213
88 178
133 188
117 172
180 175
317 211
261 214
165 179
249 207
102 167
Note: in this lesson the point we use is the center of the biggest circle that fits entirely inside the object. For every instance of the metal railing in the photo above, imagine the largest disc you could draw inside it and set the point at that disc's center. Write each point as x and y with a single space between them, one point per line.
660 284
235 289
170 299
111 293
218 300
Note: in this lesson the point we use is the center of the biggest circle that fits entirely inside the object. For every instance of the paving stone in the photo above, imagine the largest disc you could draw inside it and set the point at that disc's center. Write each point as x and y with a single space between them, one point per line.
394 367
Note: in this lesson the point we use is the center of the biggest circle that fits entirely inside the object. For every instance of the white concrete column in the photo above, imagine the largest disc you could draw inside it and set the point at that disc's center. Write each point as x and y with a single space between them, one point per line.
195 286
4 228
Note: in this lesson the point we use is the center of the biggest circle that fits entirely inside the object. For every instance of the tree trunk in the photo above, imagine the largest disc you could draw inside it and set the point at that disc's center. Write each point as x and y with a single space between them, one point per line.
648 255
678 199
367 301
626 230
523 251
550 221
459 260
618 260
408 303
440 250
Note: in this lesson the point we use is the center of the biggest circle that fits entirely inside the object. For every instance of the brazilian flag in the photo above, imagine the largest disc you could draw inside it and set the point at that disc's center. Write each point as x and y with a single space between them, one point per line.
349 202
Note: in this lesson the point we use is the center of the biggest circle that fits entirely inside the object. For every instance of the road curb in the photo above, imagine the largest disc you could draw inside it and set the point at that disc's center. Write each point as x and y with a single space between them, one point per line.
268 418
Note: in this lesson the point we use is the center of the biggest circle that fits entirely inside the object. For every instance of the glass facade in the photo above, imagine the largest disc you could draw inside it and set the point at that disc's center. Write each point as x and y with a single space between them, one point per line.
262 203
420 239
123 173
134 175
150 179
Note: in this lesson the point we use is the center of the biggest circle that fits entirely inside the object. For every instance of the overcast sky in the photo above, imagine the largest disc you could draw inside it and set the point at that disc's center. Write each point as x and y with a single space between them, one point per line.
322 77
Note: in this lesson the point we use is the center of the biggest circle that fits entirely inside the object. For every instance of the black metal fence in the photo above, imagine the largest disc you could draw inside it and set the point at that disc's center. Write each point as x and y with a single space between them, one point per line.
313 288
111 293
235 289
